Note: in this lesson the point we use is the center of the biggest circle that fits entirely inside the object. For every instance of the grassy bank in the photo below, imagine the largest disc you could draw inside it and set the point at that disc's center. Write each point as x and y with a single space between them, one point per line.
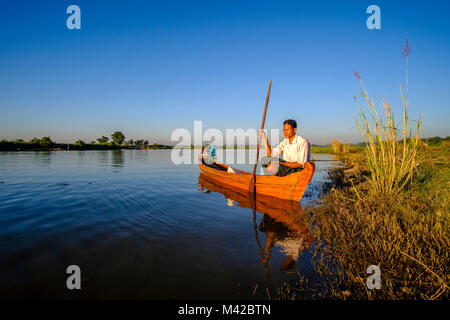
337 148
321 149
405 235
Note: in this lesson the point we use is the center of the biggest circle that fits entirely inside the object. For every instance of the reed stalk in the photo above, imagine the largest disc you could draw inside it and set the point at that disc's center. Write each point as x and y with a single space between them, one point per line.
390 152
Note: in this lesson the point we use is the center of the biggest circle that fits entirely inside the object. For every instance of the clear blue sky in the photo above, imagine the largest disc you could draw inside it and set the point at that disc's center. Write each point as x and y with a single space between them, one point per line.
148 67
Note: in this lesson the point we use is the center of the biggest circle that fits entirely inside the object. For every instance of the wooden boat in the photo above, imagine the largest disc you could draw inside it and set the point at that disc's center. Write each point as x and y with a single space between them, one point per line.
290 187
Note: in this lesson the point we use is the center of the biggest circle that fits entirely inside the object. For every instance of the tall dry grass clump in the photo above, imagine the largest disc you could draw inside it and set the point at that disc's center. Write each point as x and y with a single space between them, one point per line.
336 145
339 147
391 152
345 148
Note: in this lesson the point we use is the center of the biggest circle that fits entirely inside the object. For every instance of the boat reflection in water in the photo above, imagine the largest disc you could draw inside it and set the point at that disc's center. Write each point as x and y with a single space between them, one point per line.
281 223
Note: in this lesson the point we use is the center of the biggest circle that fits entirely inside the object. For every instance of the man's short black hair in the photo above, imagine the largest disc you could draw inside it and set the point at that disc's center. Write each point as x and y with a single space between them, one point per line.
290 122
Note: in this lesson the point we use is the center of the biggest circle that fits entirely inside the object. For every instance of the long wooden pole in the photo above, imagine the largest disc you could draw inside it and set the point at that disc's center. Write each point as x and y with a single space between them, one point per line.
259 139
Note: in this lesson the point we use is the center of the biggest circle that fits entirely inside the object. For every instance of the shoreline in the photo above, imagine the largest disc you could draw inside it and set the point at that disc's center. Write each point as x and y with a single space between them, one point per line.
11 146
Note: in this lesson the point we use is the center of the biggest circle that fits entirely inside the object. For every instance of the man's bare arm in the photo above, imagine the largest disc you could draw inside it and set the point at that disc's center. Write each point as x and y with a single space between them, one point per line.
292 164
266 143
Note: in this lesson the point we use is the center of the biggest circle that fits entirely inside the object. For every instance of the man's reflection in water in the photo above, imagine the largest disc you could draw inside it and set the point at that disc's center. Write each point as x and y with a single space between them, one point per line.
291 243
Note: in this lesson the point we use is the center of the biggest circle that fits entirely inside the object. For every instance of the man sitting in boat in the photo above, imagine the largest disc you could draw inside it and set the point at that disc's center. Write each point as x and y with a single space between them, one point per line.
294 149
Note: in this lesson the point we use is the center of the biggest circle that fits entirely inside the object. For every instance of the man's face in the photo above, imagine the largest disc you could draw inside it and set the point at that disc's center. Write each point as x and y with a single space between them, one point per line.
288 131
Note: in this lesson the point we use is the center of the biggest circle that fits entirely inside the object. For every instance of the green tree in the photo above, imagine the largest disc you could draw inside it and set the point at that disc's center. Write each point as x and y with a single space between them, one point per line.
139 142
146 142
79 143
434 140
35 141
118 137
130 142
103 139
45 142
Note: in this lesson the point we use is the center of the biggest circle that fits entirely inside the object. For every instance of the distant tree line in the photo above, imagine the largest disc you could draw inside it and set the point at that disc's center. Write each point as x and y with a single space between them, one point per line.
118 138
435 140
117 141
43 142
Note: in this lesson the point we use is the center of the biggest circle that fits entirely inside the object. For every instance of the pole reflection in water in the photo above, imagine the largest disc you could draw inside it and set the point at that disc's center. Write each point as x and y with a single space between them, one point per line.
281 223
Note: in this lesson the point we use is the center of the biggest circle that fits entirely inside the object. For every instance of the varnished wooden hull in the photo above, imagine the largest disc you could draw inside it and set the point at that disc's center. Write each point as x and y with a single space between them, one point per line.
290 187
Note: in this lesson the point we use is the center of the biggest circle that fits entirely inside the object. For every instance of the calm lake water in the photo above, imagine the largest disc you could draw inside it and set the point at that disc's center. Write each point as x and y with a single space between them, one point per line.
139 227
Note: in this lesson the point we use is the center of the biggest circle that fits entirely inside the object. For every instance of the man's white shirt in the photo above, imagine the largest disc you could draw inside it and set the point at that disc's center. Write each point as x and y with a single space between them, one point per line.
296 151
